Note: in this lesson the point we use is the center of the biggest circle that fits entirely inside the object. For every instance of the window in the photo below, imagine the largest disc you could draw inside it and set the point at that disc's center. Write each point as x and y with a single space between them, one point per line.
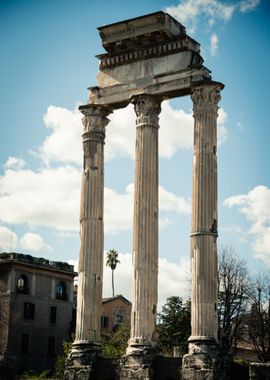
61 291
51 345
29 310
119 316
104 322
53 314
23 284
24 343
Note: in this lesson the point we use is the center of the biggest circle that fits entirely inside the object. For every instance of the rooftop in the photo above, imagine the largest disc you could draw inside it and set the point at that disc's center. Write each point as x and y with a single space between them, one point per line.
36 261
117 297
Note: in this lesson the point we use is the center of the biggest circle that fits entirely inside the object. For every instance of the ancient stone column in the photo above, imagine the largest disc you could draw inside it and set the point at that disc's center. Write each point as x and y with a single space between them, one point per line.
145 230
203 340
87 340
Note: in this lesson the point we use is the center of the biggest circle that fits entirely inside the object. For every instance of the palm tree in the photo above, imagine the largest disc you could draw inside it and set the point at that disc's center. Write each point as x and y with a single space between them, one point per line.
112 261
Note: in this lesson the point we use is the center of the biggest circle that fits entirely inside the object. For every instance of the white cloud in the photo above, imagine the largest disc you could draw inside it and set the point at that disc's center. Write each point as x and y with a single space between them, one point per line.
116 221
118 210
171 202
176 130
64 142
213 44
179 283
177 286
248 5
33 242
8 239
63 145
222 132
188 12
236 230
208 13
14 163
255 205
49 197
120 134
75 263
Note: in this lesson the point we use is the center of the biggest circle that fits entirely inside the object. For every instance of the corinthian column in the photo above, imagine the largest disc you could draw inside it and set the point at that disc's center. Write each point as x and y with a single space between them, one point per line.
204 228
87 340
145 229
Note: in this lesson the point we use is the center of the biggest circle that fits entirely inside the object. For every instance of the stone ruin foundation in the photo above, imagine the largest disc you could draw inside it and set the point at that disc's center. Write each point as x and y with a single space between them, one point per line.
148 59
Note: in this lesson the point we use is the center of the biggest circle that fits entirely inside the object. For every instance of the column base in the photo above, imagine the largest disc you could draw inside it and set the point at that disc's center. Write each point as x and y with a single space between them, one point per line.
80 360
201 363
137 364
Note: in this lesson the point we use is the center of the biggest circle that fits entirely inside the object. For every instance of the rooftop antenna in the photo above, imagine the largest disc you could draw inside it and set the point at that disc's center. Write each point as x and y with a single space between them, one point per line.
11 237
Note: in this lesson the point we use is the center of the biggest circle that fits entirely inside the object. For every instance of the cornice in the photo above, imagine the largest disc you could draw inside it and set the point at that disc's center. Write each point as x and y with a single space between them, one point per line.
140 53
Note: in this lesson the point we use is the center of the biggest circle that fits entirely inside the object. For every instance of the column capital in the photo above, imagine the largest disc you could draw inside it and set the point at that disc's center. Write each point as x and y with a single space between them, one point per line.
147 108
94 122
206 96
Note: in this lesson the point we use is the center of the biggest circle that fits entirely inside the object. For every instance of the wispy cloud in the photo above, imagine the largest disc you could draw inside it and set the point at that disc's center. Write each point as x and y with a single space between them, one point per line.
188 12
210 13
248 5
213 44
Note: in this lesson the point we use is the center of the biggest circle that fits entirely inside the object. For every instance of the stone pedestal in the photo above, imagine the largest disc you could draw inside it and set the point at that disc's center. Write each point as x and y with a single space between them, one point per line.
86 346
141 347
201 360
80 360
138 364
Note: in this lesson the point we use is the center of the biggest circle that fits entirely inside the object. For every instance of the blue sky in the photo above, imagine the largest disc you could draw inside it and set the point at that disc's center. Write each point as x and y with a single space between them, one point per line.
47 62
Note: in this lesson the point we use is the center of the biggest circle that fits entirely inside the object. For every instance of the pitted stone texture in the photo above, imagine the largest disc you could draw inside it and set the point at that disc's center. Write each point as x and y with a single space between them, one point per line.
202 374
100 369
83 354
201 363
138 365
80 360
199 367
78 373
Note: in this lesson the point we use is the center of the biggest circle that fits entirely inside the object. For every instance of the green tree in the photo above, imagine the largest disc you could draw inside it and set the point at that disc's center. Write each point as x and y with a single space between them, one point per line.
112 261
114 344
173 328
60 361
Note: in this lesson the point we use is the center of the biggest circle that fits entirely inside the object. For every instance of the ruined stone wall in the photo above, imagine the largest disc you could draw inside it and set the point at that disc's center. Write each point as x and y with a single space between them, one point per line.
4 320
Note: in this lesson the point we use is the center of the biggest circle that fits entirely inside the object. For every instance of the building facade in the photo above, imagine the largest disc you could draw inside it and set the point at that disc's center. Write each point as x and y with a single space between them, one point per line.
36 310
114 311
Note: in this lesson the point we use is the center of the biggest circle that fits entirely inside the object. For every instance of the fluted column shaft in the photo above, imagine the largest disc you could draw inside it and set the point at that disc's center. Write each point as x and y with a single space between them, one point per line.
91 225
204 212
145 229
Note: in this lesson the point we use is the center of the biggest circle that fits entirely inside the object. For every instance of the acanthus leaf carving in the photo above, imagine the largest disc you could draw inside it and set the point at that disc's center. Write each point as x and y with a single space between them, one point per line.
206 98
147 109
